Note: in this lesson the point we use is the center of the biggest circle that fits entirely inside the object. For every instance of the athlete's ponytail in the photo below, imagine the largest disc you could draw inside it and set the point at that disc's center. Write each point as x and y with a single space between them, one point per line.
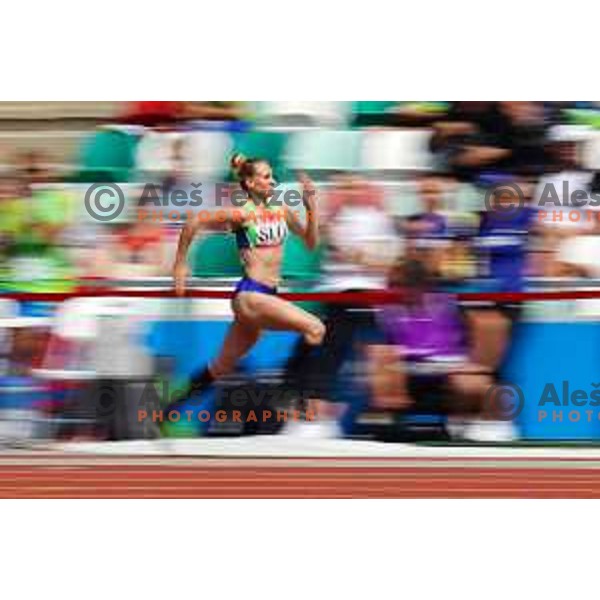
237 162
243 168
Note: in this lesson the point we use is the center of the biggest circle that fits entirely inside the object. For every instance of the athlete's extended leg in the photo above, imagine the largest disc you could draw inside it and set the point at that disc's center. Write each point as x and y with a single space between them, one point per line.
270 312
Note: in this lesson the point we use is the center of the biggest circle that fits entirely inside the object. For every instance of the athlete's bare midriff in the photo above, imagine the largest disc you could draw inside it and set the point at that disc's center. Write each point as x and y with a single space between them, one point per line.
263 264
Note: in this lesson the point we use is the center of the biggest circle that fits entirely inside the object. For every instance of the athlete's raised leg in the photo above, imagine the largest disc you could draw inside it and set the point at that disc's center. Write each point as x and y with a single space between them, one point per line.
270 312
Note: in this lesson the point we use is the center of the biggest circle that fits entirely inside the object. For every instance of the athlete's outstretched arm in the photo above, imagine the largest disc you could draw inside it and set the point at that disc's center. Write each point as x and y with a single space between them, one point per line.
309 232
191 228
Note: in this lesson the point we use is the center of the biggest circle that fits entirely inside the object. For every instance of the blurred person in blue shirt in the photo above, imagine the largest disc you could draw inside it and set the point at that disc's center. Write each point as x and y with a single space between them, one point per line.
438 235
426 232
503 239
503 244
430 222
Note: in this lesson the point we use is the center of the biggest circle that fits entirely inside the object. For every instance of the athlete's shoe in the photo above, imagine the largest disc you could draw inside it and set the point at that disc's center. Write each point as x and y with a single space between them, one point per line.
180 401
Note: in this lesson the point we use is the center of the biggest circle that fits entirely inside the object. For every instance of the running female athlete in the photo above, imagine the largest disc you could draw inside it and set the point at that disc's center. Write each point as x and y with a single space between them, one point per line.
260 232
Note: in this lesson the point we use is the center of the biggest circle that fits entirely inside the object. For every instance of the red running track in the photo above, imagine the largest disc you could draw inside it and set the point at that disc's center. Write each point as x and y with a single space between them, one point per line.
304 478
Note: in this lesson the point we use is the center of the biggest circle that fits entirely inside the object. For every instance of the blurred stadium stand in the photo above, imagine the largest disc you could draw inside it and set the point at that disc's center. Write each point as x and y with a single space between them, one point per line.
80 143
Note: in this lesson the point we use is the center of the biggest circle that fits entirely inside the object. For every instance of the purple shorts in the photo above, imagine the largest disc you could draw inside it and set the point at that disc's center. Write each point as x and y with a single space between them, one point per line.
250 285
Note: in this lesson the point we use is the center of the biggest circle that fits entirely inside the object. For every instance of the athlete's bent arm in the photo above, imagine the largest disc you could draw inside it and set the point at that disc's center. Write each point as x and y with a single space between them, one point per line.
191 228
309 232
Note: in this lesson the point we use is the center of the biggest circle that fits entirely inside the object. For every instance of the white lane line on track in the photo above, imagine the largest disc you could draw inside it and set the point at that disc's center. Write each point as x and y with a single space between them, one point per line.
227 492
26 479
7 464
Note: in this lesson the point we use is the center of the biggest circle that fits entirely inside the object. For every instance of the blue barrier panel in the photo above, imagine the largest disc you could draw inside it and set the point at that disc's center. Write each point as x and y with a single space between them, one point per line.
20 393
37 309
194 343
543 356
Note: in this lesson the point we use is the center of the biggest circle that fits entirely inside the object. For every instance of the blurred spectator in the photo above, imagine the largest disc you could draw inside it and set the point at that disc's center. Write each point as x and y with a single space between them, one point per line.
361 243
503 239
27 350
350 190
159 156
503 243
426 325
521 129
32 168
28 200
429 223
459 143
36 262
426 231
212 111
437 235
566 175
31 225
136 249
50 205
11 221
579 255
433 369
177 174
504 137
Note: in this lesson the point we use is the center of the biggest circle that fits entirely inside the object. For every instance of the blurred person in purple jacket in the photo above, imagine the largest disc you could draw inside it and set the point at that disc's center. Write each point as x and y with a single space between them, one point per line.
426 326
426 361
